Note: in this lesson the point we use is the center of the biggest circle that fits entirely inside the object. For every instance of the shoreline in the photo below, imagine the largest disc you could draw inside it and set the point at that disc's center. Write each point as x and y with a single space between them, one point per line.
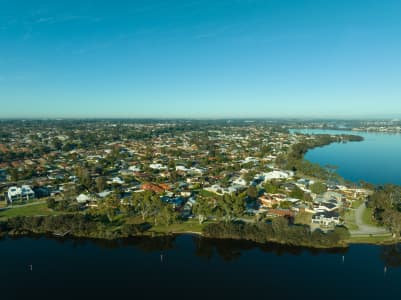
154 235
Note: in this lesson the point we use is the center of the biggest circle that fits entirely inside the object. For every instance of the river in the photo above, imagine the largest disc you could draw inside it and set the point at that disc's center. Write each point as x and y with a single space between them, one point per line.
187 267
377 159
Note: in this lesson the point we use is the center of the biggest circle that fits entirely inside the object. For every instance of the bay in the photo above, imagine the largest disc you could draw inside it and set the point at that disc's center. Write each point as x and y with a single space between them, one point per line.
377 159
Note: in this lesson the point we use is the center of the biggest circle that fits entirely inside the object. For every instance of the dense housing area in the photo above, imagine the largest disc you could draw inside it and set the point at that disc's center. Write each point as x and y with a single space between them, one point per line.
117 178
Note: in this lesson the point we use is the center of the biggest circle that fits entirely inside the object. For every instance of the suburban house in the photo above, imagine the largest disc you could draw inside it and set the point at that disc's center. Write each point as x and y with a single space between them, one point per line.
326 218
157 188
278 175
240 181
281 213
270 200
20 193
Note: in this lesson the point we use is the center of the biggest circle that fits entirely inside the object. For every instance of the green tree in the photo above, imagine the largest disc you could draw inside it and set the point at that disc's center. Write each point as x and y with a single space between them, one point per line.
144 203
271 188
392 220
297 193
202 210
318 188
51 203
279 225
252 192
100 184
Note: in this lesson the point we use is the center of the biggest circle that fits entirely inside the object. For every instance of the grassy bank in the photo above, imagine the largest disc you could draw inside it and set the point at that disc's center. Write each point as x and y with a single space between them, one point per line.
33 209
372 239
190 226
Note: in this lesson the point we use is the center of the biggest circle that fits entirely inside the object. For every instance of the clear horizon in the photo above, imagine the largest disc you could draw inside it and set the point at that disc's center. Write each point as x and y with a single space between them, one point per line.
200 59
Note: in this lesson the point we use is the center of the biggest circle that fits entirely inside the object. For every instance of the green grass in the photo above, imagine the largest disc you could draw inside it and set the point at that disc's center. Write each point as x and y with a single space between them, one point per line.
188 226
357 203
207 194
349 219
371 239
303 218
367 217
39 209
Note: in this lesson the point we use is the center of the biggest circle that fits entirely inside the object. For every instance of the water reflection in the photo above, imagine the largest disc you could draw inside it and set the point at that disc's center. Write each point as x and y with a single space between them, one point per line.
209 249
391 256
230 250
205 248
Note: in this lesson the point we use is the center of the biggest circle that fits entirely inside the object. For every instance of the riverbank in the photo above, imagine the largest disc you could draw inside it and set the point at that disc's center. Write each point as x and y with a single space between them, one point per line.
260 233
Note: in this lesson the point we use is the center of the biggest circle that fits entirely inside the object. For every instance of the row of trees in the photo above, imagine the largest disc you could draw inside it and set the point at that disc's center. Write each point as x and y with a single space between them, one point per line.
279 230
78 225
386 203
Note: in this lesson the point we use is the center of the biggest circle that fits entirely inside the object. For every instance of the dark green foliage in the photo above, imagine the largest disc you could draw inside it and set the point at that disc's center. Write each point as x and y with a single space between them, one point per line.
51 203
278 231
297 193
271 187
318 188
78 225
386 202
252 192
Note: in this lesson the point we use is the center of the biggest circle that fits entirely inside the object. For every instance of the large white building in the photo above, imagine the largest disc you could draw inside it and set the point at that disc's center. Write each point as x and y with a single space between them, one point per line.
20 193
278 174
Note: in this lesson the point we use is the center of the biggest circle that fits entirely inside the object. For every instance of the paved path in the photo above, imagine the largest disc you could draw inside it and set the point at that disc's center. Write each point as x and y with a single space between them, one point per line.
365 229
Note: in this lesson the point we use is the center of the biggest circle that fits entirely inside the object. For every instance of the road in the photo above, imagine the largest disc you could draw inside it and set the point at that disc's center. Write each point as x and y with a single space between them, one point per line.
365 229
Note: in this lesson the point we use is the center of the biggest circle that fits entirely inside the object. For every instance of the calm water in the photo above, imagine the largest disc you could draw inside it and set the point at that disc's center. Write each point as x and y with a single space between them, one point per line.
377 159
193 268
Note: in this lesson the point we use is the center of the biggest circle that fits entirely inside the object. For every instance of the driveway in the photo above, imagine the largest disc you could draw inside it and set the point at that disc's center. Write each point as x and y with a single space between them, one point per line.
365 229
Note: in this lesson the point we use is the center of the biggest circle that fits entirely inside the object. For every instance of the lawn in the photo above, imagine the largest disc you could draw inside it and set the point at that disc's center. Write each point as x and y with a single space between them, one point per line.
39 209
303 218
367 217
349 219
357 203
373 239
188 226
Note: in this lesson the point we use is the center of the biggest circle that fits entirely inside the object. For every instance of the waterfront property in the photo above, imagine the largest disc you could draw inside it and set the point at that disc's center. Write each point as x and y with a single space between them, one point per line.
20 193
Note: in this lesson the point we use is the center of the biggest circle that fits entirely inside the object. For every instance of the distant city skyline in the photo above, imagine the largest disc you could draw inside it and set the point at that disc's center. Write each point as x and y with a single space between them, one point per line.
200 59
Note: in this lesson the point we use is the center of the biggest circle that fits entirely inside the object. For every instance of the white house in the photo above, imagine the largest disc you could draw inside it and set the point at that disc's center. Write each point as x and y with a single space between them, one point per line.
326 218
278 175
250 160
181 168
20 193
240 181
134 168
117 180
82 198
157 167
196 170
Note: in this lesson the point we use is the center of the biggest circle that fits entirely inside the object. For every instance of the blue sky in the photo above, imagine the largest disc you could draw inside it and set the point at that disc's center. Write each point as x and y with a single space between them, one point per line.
200 59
